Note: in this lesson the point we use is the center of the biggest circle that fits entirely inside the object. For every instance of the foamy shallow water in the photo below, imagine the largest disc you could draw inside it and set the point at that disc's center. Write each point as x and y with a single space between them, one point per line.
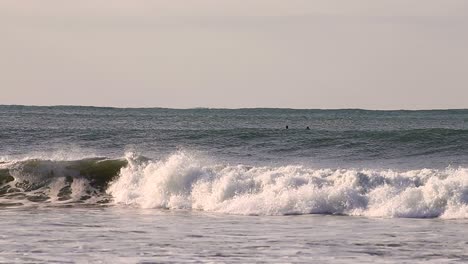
131 235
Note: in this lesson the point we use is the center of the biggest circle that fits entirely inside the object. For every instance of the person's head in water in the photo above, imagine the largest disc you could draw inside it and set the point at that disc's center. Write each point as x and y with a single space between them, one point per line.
287 127
308 128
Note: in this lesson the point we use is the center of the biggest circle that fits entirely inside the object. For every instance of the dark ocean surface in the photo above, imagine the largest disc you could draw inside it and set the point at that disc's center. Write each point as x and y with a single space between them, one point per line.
337 138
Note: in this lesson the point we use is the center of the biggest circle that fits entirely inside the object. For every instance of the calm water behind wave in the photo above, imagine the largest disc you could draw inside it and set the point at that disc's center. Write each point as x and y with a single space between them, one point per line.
337 138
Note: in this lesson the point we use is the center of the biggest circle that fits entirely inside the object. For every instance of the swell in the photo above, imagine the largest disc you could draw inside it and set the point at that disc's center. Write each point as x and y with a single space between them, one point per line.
317 137
323 144
445 146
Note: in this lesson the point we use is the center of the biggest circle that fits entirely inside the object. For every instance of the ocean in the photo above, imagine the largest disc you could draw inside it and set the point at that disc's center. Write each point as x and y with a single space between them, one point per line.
154 185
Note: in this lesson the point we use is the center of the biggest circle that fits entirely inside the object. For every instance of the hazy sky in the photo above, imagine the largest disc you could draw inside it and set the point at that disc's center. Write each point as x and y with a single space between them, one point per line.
377 54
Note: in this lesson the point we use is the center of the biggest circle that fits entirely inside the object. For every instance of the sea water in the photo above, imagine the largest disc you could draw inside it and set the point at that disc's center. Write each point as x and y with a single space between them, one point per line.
110 185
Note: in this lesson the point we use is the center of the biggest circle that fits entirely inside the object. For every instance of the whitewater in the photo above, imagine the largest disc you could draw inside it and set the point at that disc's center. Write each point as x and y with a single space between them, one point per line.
110 185
186 181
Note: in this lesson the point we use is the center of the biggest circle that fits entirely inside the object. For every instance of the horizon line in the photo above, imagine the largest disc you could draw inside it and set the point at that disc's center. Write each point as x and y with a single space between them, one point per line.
234 108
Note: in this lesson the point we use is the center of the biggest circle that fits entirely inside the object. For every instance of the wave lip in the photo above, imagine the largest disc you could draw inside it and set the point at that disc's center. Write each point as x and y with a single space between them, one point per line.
55 181
183 181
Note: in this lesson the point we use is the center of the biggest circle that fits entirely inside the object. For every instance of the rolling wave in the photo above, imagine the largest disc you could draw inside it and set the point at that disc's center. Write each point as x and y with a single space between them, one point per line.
186 181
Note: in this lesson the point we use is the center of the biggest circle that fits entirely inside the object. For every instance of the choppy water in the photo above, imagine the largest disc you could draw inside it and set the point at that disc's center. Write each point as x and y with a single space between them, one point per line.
81 178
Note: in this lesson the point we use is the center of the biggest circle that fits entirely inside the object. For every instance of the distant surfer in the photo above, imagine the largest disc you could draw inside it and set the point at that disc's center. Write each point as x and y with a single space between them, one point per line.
287 127
308 128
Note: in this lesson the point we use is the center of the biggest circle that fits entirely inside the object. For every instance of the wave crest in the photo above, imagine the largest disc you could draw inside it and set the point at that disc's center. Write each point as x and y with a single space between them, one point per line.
186 181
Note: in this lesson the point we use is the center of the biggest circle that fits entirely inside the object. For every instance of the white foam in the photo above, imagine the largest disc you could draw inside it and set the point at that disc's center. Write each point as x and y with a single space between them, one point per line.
183 181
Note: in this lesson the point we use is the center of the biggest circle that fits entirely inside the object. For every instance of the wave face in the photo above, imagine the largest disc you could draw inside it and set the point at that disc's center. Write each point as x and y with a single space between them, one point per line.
57 182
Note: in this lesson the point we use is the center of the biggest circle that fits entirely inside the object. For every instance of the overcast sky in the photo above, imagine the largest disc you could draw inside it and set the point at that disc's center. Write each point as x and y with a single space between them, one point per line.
374 54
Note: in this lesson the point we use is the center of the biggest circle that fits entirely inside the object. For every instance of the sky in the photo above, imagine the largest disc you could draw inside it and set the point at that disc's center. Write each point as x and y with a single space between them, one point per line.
372 54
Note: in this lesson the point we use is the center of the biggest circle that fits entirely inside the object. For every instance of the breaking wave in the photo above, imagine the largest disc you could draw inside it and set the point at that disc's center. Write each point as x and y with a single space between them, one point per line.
56 182
187 181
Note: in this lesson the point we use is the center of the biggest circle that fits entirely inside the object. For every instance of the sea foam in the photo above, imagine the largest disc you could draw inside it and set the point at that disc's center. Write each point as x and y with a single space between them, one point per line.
185 181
